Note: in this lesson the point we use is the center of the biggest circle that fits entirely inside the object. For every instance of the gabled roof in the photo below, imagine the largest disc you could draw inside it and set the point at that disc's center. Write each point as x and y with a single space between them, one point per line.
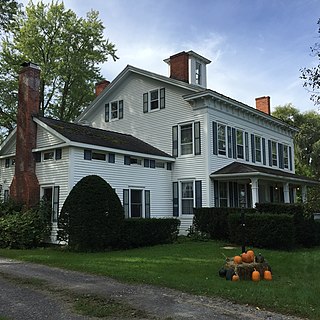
103 138
240 170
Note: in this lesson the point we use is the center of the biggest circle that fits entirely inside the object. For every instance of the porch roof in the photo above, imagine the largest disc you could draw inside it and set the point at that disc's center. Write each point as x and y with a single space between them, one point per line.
238 170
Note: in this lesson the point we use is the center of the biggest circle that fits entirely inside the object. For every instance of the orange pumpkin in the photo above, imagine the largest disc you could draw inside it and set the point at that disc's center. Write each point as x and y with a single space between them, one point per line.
255 275
237 260
235 277
251 254
246 258
267 275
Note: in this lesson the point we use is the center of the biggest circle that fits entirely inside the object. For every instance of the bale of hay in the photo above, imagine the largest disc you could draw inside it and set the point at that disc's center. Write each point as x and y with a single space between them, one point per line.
244 270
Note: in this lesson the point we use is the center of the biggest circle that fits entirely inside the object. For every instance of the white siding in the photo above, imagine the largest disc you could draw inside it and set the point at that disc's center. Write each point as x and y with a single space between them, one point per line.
6 176
46 139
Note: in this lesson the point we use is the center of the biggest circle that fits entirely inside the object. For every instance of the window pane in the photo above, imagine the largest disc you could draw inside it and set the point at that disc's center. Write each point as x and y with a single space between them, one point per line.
98 156
222 139
136 203
114 110
258 148
48 155
154 100
186 139
187 197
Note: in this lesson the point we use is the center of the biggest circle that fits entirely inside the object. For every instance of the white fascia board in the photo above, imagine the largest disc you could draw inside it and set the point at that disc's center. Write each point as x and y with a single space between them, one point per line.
120 151
7 156
50 147
236 176
52 131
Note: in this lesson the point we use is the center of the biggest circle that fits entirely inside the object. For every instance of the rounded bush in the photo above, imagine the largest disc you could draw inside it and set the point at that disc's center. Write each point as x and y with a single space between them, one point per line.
92 215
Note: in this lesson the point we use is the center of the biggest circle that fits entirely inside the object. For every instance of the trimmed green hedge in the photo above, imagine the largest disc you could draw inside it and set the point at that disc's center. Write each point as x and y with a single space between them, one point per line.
263 230
148 232
280 208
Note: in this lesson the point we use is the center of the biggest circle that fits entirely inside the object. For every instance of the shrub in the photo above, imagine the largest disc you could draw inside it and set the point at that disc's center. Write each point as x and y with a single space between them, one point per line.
92 215
263 230
280 208
148 232
25 229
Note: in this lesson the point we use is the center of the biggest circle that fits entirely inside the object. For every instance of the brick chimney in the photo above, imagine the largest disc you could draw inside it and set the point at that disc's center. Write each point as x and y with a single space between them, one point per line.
100 86
179 66
263 104
25 186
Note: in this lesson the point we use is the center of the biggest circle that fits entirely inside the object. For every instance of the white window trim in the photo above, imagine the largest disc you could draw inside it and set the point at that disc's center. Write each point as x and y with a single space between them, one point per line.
277 155
285 146
225 140
180 196
110 110
143 214
49 151
179 140
260 147
243 144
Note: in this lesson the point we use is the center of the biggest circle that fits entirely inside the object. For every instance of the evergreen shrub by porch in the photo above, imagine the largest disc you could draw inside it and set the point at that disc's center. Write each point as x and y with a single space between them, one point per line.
280 208
92 216
214 221
24 229
263 230
148 232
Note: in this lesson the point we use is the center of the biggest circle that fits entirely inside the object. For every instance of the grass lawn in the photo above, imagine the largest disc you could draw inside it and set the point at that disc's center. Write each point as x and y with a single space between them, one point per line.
193 267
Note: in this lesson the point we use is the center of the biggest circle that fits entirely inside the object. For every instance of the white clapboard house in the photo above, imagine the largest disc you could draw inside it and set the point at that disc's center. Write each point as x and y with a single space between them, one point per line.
165 144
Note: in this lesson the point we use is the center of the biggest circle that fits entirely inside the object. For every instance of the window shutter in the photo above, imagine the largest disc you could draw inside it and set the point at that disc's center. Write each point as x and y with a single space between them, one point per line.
175 141
58 154
270 152
107 112
120 109
111 158
197 141
147 203
152 164
231 194
253 149
264 151
127 160
215 137
146 163
235 194
246 141
198 187
162 98
290 158
234 143
175 198
145 102
55 204
280 150
37 158
229 142
126 202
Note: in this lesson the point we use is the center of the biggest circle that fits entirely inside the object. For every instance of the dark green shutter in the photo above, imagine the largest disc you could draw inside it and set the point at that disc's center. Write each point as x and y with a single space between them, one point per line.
120 109
231 194
145 102
215 137
147 203
107 112
58 153
127 160
253 149
229 142
264 151
234 143
280 151
216 193
126 202
175 198
246 141
162 98
175 141
270 152
87 154
290 158
198 186
55 204
197 141
146 163
37 158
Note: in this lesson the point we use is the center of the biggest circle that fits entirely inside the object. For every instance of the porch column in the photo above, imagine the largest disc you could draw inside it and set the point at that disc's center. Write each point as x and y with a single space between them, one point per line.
304 193
286 194
254 191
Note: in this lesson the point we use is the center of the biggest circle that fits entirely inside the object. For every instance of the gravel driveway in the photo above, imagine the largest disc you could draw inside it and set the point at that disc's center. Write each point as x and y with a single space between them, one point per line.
21 297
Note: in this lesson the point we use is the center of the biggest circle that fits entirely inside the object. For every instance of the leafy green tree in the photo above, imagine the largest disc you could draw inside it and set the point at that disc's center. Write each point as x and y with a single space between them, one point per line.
311 76
69 51
8 12
307 140
92 215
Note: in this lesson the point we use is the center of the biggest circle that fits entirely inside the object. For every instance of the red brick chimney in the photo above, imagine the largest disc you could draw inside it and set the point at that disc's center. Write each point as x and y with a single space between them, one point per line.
25 186
100 86
263 104
179 66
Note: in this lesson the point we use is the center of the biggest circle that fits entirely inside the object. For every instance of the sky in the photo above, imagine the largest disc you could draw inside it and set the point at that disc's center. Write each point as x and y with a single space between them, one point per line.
257 47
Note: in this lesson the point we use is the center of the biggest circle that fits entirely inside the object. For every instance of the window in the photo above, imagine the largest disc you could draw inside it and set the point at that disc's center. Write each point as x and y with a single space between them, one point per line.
240 153
159 164
154 100
51 196
257 141
131 160
114 110
111 158
7 163
92 155
169 166
198 73
187 197
149 163
222 139
136 203
58 154
48 155
186 143
286 157
223 194
274 153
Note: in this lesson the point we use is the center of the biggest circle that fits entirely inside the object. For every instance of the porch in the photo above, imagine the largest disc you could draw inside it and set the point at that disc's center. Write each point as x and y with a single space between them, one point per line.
241 184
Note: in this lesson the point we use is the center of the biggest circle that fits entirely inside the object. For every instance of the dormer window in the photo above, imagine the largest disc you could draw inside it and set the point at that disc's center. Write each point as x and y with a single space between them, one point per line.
154 100
198 73
114 110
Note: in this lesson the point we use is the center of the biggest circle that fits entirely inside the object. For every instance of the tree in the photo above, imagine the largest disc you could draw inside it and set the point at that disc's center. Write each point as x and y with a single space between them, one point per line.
311 76
307 140
69 51
8 12
92 215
